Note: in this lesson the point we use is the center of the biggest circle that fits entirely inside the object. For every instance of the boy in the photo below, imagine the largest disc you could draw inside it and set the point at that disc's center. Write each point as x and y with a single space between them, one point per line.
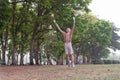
67 36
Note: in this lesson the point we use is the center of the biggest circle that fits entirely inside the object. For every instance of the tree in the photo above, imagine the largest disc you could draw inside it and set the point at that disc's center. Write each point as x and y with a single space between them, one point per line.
43 9
94 36
24 23
5 17
115 38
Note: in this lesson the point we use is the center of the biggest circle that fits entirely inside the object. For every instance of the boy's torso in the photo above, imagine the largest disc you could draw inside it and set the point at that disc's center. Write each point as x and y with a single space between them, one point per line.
67 37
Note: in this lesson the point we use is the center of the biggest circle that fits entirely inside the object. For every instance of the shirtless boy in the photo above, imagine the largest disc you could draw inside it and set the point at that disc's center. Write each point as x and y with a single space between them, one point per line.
67 36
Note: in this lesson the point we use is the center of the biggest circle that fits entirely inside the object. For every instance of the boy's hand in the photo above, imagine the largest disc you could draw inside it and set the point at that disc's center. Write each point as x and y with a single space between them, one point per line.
52 15
74 19
54 21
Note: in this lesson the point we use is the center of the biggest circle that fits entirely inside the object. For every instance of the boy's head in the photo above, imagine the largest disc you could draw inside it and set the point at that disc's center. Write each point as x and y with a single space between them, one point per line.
68 30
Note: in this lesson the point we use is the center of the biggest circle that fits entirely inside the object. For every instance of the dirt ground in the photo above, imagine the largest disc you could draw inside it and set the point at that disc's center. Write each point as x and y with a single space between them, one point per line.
60 72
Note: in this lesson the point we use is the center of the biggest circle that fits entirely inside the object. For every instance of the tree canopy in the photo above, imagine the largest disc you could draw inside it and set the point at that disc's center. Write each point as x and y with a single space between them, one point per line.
26 27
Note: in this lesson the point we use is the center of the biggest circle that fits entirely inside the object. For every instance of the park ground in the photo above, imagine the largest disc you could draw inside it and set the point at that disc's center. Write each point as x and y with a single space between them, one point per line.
61 72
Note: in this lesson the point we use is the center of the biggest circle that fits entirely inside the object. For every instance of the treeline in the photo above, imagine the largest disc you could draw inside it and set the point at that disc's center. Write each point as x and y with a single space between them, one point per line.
26 27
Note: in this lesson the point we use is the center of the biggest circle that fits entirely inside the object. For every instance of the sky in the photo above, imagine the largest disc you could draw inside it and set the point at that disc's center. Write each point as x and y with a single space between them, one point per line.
108 10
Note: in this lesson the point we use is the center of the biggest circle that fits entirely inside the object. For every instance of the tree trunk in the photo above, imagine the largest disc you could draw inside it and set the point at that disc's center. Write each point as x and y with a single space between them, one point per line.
14 56
31 51
0 55
89 60
59 61
49 60
84 59
13 36
22 47
62 60
4 43
36 53
32 42
21 57
77 59
40 57
3 51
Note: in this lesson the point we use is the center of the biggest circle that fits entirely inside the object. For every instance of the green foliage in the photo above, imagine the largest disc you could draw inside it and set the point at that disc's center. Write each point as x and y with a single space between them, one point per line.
93 36
4 13
32 19
53 46
115 44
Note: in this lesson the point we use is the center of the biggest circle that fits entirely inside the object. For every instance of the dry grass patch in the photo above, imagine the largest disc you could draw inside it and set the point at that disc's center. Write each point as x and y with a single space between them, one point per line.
80 72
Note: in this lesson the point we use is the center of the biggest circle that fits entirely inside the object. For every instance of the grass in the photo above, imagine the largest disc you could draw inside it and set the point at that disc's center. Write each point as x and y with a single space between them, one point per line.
61 72
94 72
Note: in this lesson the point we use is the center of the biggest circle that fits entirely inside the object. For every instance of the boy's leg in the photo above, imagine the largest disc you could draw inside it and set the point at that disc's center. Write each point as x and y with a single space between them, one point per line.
67 57
72 59
68 60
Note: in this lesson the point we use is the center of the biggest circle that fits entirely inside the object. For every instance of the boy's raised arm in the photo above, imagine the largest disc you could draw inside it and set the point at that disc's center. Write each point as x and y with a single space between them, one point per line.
58 27
73 25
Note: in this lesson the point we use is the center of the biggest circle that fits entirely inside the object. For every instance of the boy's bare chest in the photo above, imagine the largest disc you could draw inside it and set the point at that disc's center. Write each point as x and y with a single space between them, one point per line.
67 36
